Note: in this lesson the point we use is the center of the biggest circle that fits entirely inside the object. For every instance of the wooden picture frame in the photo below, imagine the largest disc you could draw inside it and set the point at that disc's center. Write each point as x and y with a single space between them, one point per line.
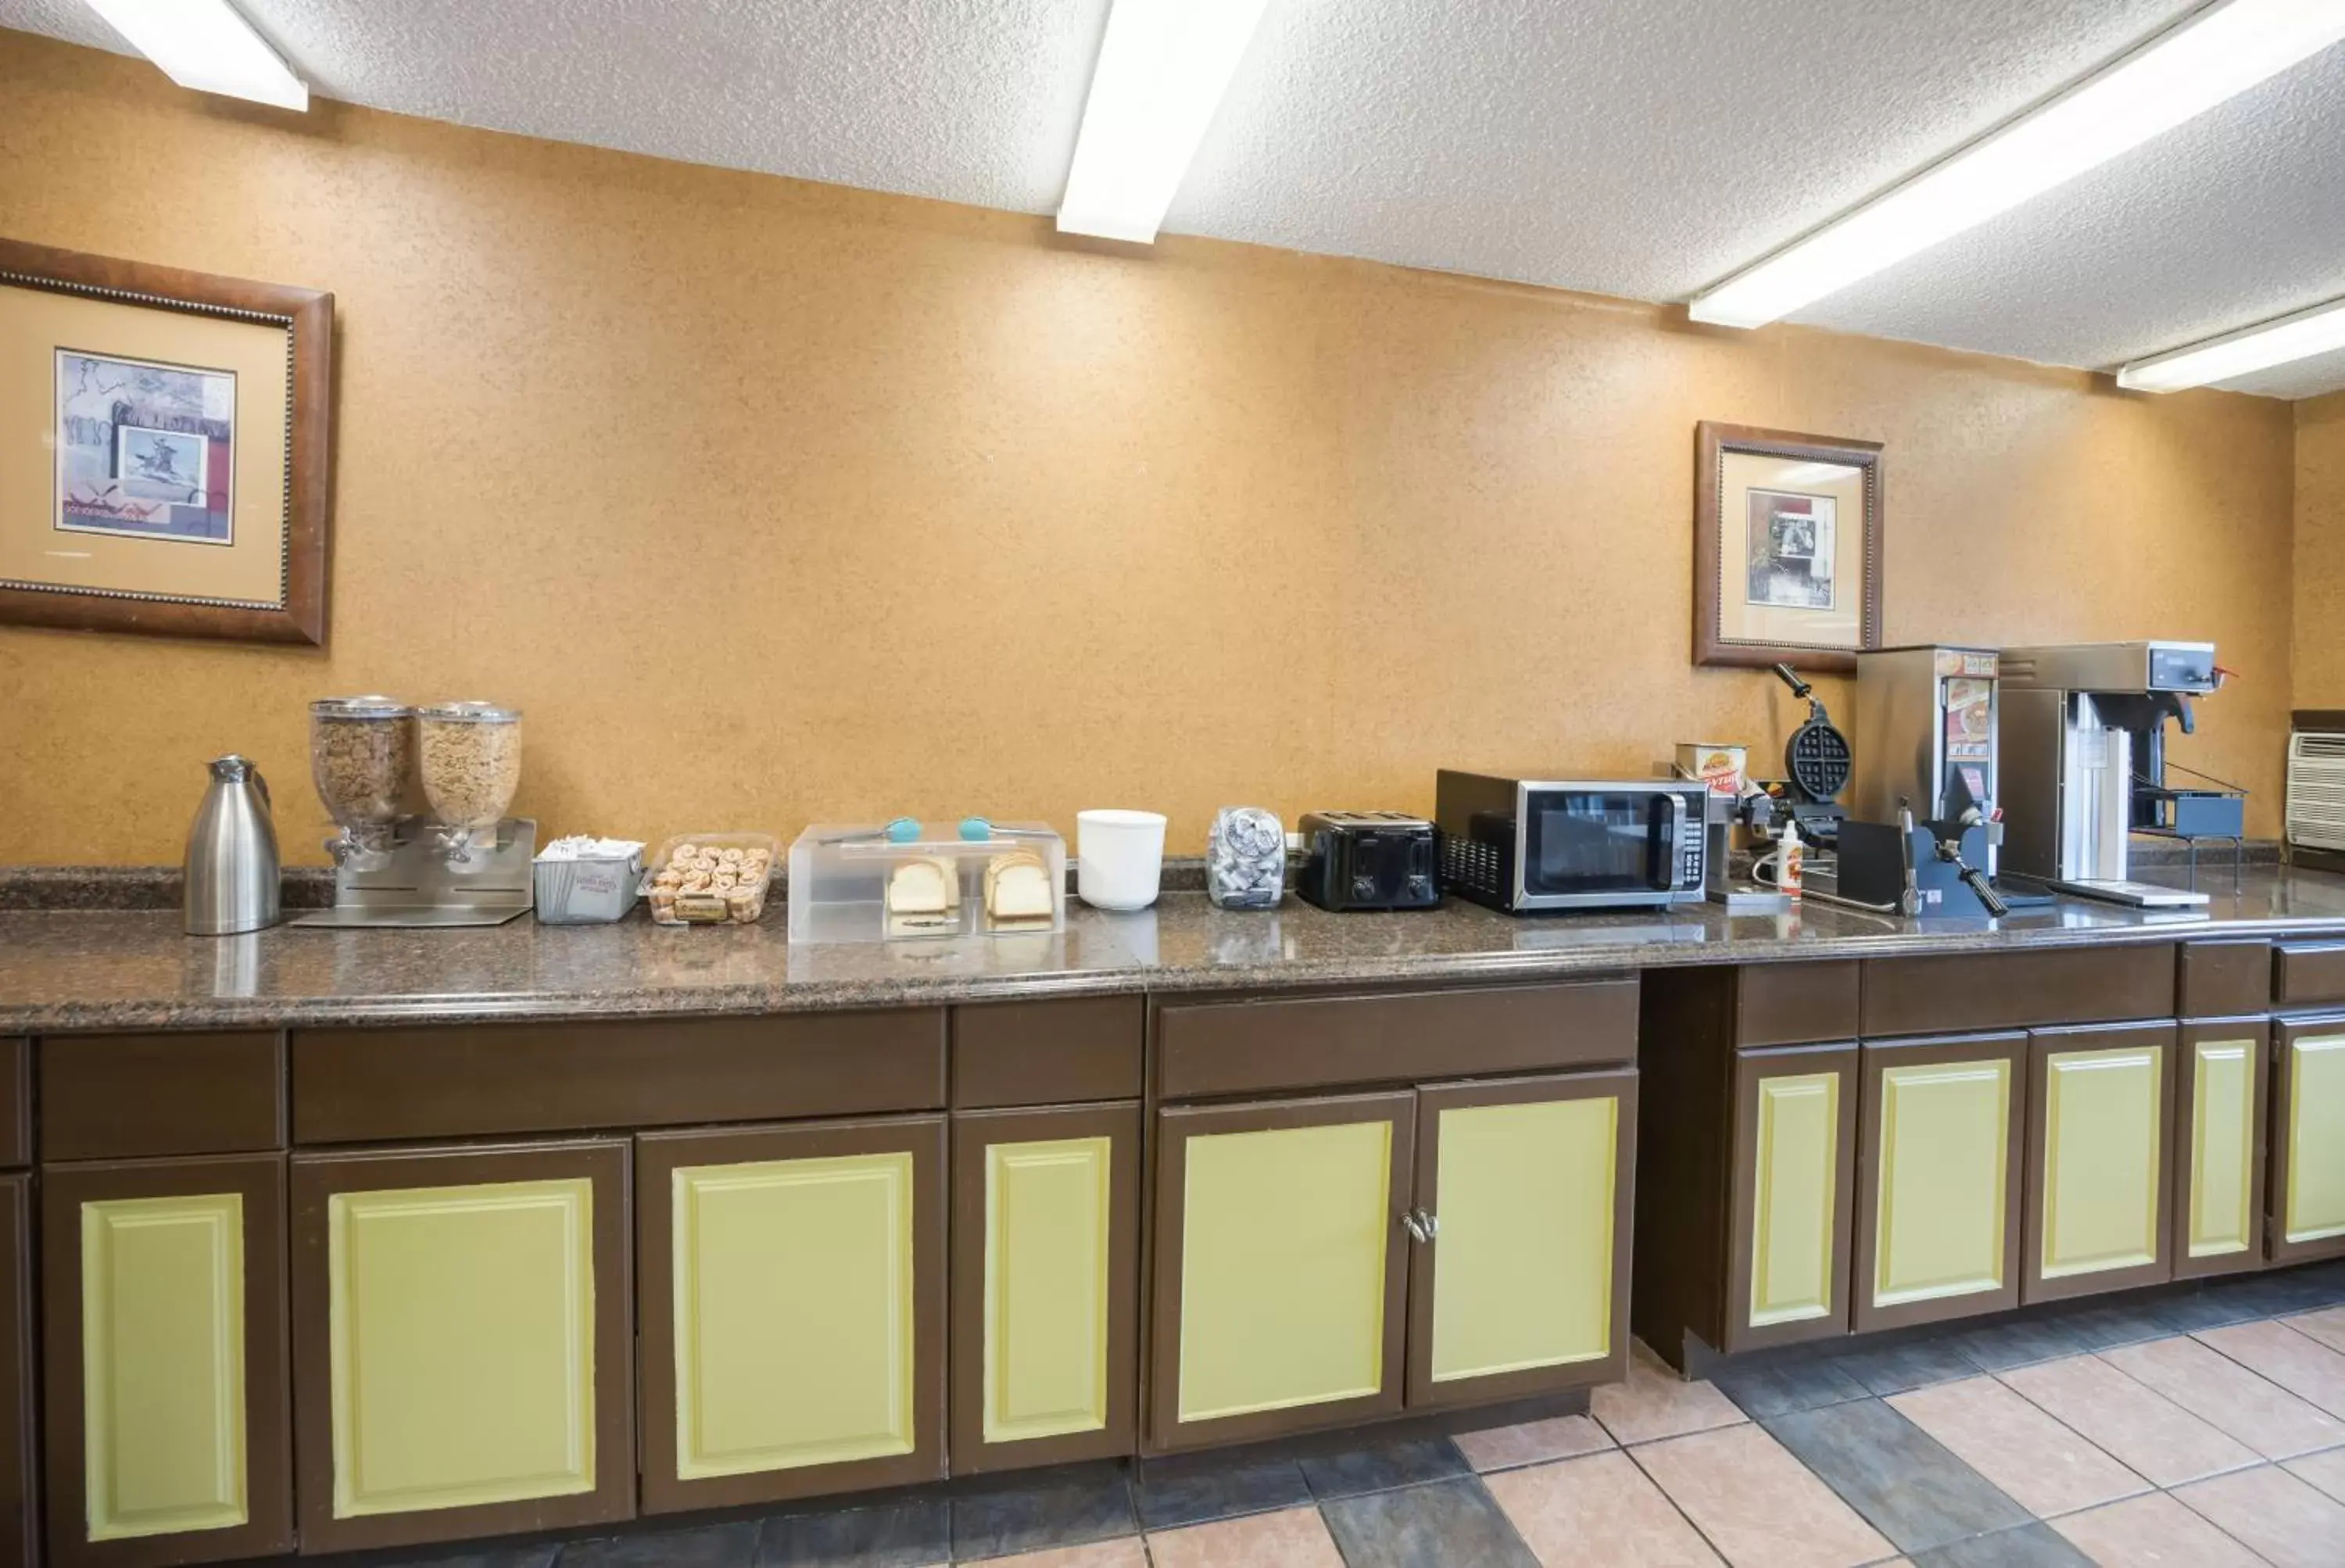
231 379
1773 543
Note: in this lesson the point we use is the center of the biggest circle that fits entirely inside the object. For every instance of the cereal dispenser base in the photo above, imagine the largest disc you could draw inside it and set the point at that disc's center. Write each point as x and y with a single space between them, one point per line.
417 887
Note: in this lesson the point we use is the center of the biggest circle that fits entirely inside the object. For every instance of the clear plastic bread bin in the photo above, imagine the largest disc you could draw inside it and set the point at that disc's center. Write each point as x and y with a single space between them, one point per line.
898 881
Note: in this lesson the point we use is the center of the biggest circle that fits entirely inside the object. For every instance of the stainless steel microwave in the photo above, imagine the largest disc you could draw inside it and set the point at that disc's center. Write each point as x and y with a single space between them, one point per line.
1528 844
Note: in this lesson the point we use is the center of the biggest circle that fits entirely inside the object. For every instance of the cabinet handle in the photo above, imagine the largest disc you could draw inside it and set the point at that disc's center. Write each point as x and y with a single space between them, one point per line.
1422 1227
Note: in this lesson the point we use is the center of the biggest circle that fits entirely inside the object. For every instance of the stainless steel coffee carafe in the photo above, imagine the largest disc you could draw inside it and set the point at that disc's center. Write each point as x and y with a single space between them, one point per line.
232 872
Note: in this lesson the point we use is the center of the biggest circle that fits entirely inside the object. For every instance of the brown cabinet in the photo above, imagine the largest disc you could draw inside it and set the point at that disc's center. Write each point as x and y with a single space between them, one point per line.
163 1353
1793 1198
462 1337
1324 1260
2100 1142
20 1512
2221 1108
792 1293
1938 1191
1280 1293
1045 1285
2306 1196
1518 1284
132 1096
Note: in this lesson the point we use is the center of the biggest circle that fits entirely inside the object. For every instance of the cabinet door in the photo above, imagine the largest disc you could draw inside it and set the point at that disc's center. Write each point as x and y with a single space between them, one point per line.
2218 1202
1045 1285
19 1514
2100 1130
1520 1285
1278 1303
793 1289
1938 1217
164 1346
2308 1142
1795 1168
460 1335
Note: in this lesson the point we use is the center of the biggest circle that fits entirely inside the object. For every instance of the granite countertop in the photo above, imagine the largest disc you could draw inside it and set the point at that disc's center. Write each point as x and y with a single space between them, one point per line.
63 971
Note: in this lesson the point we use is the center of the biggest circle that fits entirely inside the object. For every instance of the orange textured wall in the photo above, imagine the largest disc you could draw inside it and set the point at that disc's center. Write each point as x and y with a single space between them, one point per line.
2320 665
773 502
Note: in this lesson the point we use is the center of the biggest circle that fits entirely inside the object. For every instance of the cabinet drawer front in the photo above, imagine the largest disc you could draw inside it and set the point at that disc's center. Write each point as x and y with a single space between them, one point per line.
1796 1166
769 1374
2312 1210
1944 1169
1247 1047
1523 1265
460 1081
2309 975
2224 1150
163 1391
2104 1136
1796 1004
106 1096
2224 979
1047 1053
462 1324
1952 992
1285 1239
1049 1224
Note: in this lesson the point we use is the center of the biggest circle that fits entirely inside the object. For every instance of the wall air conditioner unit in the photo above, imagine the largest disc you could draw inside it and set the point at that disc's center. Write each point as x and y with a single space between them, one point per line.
2315 790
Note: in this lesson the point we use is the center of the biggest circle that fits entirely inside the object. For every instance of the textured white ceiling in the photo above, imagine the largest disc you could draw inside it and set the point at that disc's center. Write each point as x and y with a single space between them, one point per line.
1638 147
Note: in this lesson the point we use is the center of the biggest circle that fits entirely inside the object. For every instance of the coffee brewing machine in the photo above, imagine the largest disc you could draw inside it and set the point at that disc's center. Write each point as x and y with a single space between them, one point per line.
2085 755
1923 824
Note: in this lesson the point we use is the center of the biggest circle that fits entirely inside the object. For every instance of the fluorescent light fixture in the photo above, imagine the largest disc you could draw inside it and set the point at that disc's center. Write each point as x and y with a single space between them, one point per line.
2215 55
1163 69
2318 331
207 46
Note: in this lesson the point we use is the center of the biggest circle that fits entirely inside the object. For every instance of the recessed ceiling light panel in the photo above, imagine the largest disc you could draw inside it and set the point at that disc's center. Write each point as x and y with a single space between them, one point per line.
205 44
1163 69
2318 331
2216 54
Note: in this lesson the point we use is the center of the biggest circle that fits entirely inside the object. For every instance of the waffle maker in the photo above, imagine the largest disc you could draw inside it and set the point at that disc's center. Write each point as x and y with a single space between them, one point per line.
1816 764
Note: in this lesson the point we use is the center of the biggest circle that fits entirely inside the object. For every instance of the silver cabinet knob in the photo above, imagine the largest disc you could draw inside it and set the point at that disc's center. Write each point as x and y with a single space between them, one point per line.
1421 1225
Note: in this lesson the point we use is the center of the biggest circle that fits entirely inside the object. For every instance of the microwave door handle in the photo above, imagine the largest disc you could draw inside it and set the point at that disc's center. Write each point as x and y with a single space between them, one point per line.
1673 877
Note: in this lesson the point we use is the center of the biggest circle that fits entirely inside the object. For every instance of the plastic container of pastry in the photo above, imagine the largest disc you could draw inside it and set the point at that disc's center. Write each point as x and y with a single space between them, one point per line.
711 879
903 882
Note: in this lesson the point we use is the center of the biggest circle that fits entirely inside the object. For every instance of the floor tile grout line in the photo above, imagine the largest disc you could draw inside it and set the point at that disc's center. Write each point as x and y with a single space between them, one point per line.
2021 1394
2273 1383
1678 1509
2209 1520
2179 1409
2324 1409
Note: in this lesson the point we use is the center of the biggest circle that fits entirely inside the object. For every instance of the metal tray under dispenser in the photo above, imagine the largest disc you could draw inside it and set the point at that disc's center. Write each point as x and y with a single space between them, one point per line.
416 886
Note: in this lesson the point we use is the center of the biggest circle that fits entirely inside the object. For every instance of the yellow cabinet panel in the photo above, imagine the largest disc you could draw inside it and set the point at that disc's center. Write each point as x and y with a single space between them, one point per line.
462 1324
2103 1134
2315 1201
1522 1269
794 1321
1048 1213
162 1308
1944 1153
1796 1168
2223 1145
1282 1268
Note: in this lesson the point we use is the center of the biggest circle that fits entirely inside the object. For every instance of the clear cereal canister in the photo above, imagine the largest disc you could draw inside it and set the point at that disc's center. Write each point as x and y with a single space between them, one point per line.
362 760
469 755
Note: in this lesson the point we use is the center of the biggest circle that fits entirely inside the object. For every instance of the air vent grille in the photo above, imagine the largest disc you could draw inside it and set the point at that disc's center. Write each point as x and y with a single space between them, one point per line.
2316 792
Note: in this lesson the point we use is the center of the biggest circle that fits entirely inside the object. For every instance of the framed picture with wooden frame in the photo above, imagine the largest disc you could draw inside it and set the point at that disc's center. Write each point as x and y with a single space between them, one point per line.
164 449
1786 548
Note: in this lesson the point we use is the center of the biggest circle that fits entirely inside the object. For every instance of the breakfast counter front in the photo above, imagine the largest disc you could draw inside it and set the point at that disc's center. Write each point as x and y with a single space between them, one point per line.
326 1240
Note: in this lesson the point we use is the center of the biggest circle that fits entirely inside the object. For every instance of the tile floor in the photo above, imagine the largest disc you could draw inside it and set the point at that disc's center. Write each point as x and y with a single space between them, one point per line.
2204 1428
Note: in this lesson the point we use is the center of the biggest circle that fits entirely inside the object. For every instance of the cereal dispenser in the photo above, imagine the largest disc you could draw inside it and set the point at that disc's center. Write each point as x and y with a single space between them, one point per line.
419 797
